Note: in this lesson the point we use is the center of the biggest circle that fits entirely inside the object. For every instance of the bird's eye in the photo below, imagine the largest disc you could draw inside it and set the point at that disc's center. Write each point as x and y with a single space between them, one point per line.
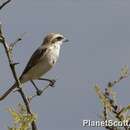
59 38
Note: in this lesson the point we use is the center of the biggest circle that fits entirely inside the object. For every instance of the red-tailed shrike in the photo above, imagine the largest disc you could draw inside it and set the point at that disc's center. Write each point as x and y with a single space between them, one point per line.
42 60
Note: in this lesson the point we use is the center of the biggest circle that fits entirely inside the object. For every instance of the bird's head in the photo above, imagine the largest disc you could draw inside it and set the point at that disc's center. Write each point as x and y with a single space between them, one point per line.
54 38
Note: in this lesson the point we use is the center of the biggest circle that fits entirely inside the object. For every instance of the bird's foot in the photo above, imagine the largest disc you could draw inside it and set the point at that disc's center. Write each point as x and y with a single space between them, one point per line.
39 92
52 83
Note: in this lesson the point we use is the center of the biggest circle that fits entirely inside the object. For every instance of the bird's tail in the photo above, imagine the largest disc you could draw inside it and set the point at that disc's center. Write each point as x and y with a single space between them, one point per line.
8 92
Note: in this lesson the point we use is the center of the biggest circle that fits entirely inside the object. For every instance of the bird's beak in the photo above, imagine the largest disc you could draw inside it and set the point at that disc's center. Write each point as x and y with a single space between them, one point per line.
65 40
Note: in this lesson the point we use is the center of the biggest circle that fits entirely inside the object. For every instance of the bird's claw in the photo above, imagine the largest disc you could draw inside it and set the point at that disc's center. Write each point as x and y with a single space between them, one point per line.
52 83
39 92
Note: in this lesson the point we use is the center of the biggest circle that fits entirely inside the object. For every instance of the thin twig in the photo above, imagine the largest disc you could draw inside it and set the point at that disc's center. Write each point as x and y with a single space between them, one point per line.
13 44
12 66
41 92
38 91
4 4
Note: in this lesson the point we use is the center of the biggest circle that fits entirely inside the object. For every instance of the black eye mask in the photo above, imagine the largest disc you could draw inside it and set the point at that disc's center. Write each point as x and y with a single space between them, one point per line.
59 38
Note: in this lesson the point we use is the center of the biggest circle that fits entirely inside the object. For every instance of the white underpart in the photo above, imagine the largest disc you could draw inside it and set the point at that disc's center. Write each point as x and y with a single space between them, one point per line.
45 65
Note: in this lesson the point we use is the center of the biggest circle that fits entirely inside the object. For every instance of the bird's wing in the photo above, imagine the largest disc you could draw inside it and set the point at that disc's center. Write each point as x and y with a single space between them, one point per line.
35 58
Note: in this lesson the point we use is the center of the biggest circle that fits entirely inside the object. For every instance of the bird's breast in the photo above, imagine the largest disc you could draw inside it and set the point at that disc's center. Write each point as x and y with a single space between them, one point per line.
53 54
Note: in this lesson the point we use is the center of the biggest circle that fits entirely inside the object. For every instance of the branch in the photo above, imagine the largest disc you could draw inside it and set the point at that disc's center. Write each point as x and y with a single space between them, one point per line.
110 107
4 4
13 44
12 67
39 92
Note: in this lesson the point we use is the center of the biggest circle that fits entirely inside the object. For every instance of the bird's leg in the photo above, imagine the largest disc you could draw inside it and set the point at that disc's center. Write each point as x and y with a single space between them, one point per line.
38 91
51 81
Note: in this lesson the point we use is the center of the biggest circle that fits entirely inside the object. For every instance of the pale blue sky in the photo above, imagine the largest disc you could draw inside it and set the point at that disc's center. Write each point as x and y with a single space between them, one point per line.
99 34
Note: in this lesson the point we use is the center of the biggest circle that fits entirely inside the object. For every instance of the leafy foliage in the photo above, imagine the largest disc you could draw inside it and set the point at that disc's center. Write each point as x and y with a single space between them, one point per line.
21 119
111 110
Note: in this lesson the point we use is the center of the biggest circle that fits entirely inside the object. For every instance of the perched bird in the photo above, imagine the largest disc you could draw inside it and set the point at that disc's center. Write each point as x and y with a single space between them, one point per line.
42 60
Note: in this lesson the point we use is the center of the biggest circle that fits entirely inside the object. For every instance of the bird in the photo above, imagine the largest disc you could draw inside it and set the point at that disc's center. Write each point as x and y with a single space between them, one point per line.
41 61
